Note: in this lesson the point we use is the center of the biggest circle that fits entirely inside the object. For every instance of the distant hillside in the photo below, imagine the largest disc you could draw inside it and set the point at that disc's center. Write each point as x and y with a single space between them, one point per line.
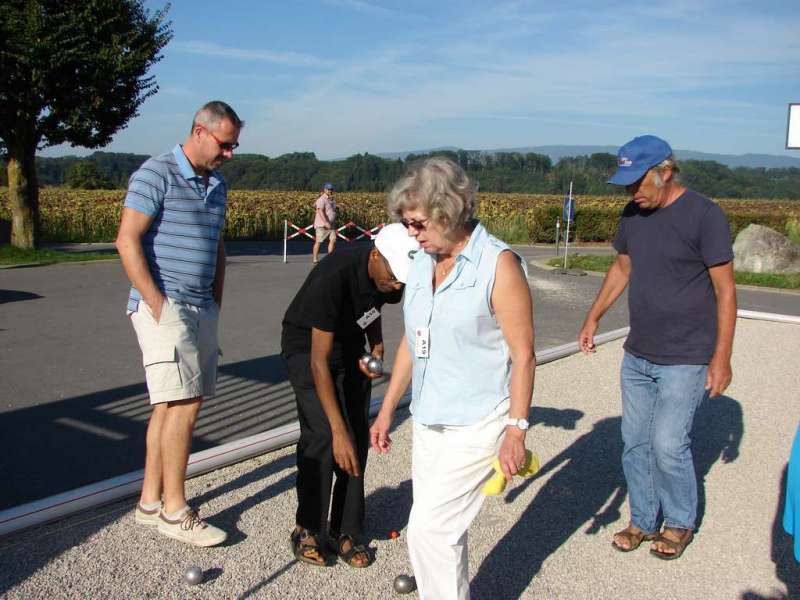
518 170
556 153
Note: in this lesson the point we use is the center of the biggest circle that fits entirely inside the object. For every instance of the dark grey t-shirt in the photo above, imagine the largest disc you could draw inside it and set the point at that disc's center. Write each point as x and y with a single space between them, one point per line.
673 308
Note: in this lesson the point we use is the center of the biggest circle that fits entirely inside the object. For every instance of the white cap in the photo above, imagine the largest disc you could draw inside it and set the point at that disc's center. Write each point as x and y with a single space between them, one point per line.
398 248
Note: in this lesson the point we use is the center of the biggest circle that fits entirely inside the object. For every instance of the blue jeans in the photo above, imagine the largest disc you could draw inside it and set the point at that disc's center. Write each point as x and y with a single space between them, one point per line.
658 405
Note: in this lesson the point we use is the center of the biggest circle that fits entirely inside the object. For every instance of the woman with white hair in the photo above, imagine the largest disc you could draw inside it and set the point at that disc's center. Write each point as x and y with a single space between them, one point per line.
468 353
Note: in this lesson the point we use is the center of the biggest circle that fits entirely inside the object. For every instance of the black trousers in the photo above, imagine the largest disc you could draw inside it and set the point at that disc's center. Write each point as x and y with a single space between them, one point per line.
315 463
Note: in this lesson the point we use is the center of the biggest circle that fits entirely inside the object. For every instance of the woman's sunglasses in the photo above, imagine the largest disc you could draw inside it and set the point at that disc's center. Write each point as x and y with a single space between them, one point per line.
418 224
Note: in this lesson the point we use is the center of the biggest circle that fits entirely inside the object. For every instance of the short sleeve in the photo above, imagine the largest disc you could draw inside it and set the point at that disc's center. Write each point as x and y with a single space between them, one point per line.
620 240
146 189
715 237
320 203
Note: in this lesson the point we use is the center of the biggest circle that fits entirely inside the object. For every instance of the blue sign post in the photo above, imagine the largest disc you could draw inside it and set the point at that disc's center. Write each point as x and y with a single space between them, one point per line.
568 213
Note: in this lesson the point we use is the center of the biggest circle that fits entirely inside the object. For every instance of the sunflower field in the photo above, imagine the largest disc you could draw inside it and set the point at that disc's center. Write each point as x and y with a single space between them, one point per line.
93 215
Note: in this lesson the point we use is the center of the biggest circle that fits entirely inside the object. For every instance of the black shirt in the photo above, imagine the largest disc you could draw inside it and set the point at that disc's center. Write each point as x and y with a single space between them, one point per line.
673 307
336 293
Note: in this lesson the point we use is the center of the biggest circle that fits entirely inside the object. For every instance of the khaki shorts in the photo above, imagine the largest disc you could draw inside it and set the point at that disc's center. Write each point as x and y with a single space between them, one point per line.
323 233
180 352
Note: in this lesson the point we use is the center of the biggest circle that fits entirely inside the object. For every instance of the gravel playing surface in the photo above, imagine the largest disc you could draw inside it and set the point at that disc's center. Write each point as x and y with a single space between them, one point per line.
546 538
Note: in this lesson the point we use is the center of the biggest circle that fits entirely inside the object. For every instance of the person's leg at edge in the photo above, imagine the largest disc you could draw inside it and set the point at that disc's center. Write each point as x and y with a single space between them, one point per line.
639 396
314 454
153 472
332 241
176 443
448 468
315 250
347 505
681 390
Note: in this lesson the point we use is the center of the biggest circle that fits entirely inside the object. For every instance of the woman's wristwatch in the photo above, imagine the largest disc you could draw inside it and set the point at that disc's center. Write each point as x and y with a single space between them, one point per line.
519 423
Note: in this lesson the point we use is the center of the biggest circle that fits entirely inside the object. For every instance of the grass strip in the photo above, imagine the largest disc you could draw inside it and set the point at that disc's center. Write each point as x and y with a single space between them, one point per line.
10 256
602 262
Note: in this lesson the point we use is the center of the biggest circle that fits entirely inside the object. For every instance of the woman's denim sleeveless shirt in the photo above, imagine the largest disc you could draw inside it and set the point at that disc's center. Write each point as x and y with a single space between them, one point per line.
467 370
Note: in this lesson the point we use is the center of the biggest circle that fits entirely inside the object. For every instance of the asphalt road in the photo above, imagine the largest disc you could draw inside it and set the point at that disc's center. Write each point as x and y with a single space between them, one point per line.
73 405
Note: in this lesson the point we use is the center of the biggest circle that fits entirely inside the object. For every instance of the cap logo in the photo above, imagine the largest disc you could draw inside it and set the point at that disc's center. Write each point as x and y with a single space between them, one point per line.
411 254
624 161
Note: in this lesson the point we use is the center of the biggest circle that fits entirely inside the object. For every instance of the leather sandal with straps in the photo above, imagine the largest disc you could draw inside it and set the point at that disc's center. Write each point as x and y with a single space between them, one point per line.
306 548
352 554
674 545
634 538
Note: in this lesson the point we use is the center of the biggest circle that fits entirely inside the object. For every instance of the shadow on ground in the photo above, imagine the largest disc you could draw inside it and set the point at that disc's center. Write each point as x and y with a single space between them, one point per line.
782 554
24 556
585 494
7 296
56 447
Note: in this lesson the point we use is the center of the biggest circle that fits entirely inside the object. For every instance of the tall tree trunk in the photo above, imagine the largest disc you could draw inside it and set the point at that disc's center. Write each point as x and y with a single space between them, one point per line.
23 196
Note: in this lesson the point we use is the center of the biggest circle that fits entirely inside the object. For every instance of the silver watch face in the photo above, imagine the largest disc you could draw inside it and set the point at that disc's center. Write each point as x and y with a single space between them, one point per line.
520 423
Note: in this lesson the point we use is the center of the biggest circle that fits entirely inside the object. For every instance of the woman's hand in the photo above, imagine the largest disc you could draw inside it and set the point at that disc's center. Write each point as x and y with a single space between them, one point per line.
379 433
512 452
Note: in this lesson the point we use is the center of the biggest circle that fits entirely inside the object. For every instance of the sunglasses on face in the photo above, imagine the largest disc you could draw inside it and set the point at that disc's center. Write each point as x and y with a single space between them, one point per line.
224 146
418 224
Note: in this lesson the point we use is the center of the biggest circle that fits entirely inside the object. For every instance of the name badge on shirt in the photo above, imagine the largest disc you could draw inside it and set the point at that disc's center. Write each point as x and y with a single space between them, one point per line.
368 317
421 342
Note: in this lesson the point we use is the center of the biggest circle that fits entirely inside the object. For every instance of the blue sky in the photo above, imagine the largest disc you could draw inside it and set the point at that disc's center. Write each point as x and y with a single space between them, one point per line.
339 77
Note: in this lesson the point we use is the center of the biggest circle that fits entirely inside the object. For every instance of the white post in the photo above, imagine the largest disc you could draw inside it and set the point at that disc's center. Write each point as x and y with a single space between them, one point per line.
558 232
285 233
569 214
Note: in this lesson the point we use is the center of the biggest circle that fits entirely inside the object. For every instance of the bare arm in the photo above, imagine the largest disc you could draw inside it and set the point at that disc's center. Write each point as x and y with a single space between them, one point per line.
219 274
513 306
398 384
719 369
132 227
614 284
343 450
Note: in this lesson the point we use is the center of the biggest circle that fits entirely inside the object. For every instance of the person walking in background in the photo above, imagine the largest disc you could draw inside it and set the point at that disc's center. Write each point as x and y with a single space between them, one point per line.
674 253
468 353
324 221
325 328
170 244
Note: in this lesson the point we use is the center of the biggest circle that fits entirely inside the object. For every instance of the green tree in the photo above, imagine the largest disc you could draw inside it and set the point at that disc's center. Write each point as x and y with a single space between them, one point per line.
84 175
71 71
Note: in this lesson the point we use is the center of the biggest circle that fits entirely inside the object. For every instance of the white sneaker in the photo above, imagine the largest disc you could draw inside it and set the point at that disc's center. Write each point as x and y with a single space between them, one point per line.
191 529
146 517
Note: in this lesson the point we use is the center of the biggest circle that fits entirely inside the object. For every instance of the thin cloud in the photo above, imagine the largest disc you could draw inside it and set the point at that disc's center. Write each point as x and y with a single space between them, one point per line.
361 6
290 59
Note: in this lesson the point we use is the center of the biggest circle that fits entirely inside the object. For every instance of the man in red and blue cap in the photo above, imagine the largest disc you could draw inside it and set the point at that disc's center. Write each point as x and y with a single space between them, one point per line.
674 254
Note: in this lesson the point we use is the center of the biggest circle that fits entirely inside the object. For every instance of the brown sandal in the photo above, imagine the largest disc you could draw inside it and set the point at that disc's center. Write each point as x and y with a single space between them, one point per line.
306 548
675 546
634 536
356 555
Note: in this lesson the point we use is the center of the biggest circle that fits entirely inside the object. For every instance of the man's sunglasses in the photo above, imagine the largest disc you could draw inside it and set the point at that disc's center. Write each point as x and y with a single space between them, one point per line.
224 146
418 224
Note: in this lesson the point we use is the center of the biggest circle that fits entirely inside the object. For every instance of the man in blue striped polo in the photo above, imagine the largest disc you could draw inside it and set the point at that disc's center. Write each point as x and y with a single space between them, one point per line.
170 243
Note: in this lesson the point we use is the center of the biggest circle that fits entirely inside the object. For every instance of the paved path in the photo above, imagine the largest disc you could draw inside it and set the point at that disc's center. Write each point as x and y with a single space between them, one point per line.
73 405
548 538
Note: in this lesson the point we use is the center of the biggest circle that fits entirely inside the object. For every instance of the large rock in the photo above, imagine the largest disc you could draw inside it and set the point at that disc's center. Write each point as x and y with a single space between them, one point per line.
759 249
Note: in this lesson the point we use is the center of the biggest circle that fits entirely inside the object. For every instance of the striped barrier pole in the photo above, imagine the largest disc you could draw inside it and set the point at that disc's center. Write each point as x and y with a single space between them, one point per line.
298 231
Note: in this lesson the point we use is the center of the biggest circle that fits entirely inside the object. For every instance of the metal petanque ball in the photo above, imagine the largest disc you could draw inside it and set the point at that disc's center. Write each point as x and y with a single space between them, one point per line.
404 584
374 365
193 575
